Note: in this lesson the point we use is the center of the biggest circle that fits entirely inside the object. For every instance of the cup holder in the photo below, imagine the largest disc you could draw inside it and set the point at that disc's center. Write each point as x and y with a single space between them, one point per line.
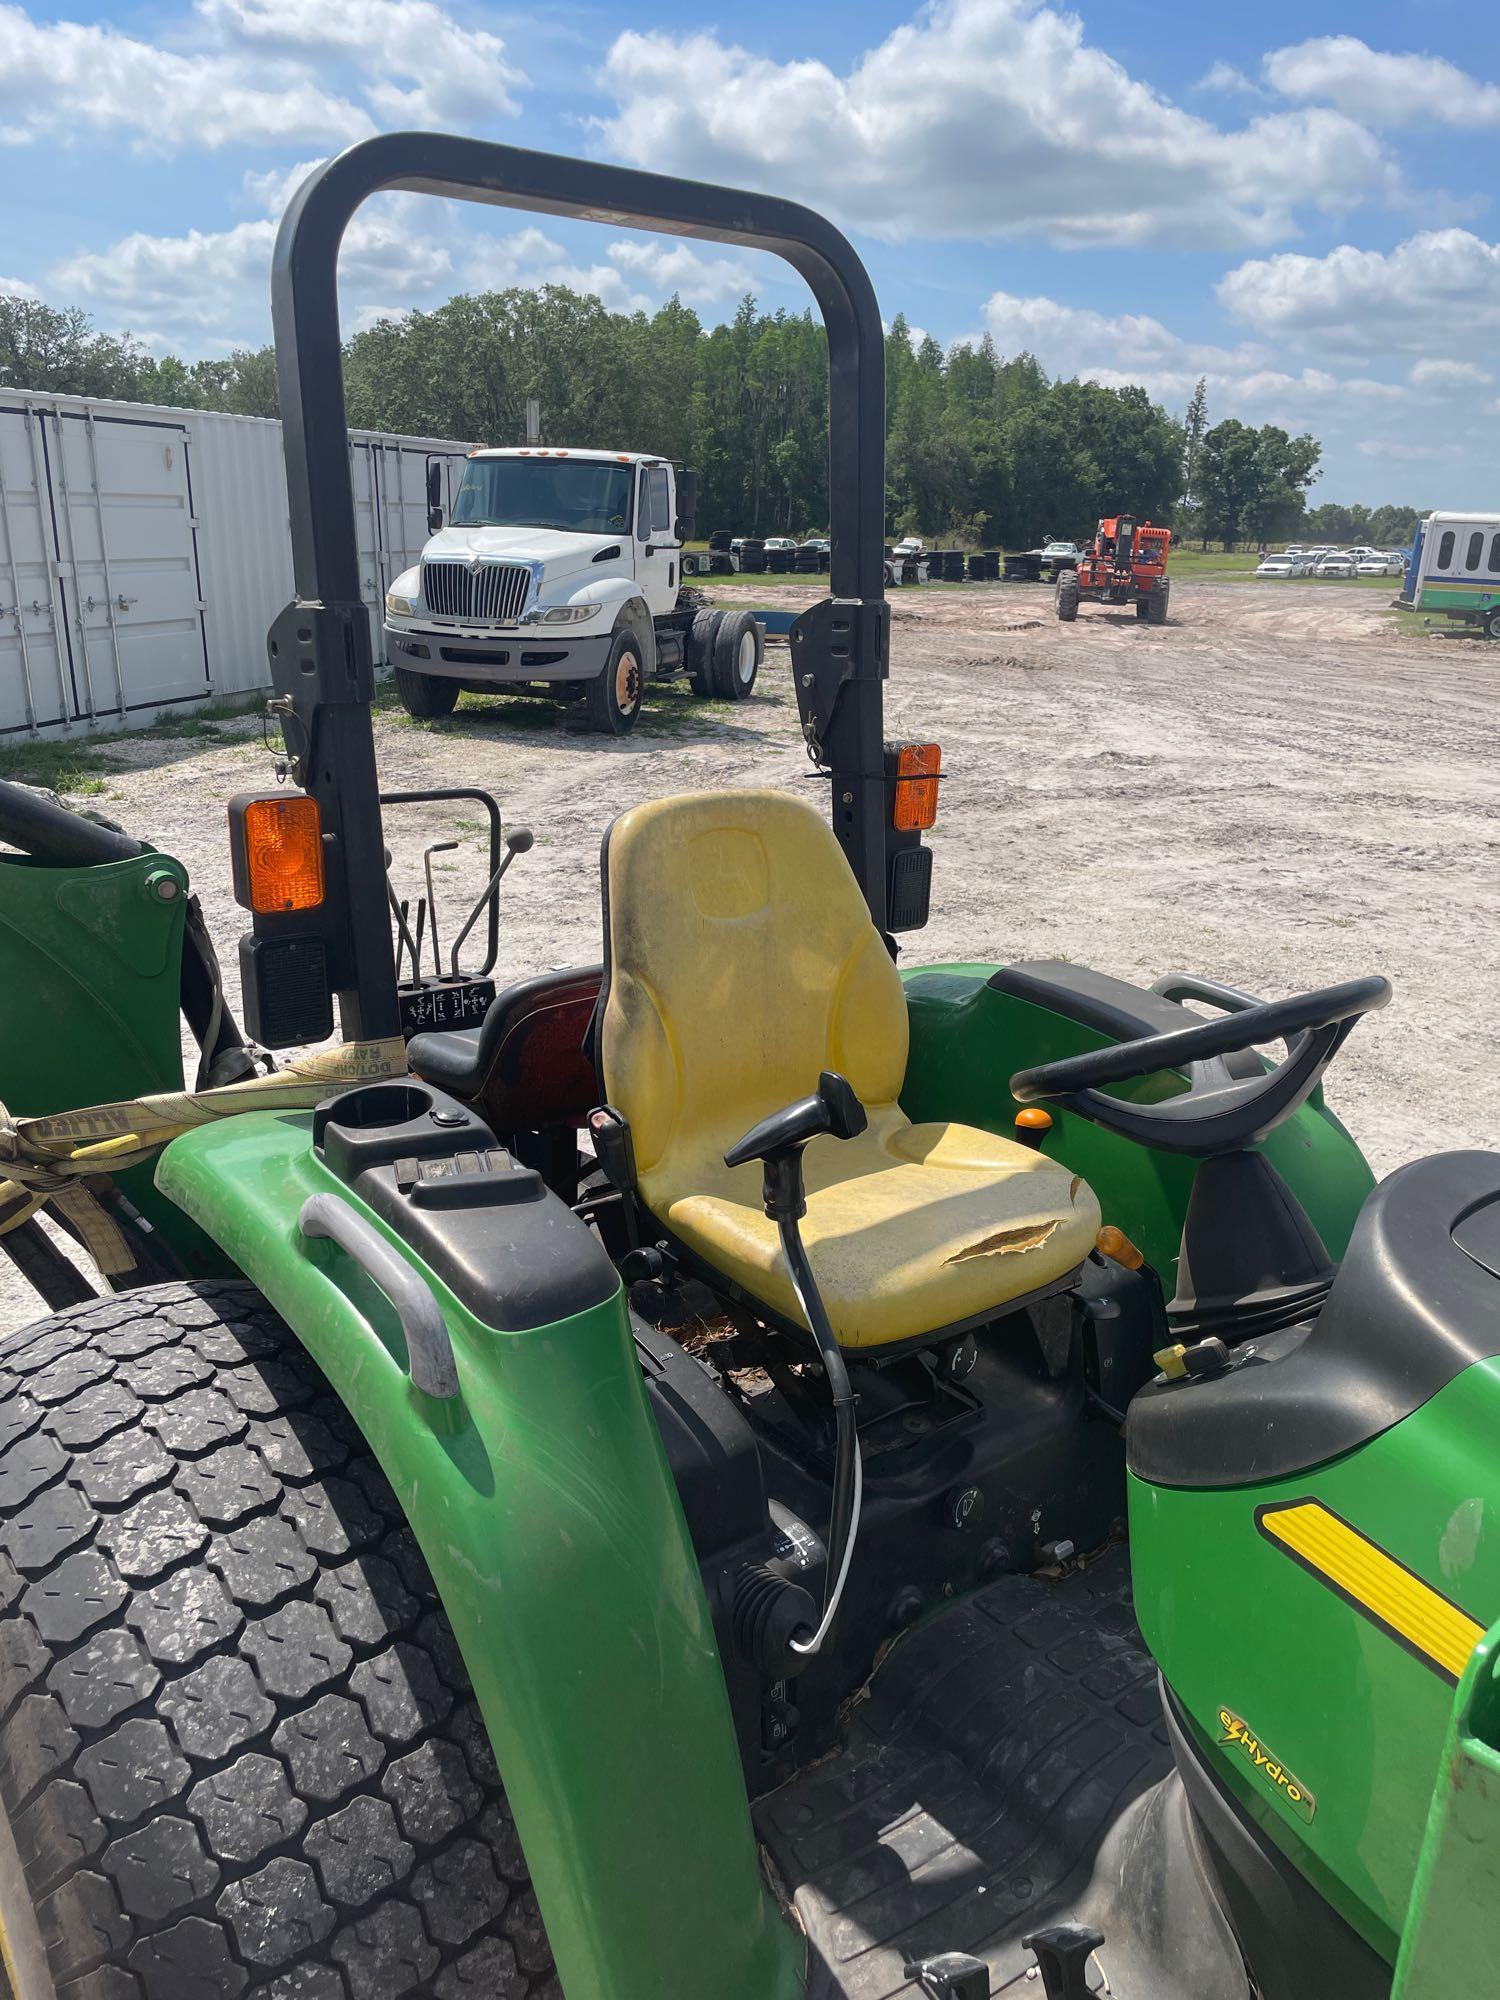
377 1123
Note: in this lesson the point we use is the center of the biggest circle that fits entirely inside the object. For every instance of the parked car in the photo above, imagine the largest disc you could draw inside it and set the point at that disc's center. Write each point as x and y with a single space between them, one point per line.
820 543
1286 564
1380 565
1338 563
780 542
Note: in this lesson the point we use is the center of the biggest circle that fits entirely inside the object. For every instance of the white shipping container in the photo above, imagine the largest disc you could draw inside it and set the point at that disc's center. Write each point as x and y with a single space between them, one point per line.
144 553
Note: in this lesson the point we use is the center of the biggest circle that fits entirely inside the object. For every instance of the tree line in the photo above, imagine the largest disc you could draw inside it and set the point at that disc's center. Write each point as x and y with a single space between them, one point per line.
980 448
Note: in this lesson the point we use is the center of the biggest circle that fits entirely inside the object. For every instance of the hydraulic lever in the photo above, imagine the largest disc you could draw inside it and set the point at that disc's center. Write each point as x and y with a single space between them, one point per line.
779 1142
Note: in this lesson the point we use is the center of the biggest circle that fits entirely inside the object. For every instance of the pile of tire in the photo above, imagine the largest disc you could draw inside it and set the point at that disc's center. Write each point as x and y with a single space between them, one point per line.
724 654
753 557
810 562
953 565
979 567
781 562
720 562
719 540
911 570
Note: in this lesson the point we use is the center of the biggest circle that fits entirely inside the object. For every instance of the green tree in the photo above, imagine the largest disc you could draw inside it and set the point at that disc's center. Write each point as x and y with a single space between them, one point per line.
1253 481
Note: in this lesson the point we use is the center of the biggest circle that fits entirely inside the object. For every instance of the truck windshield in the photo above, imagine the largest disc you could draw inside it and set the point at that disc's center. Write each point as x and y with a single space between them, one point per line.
581 496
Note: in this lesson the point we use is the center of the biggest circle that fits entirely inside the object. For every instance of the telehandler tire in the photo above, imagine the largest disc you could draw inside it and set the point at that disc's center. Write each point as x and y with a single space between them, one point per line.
239 1754
426 696
1067 597
1156 603
736 656
1142 609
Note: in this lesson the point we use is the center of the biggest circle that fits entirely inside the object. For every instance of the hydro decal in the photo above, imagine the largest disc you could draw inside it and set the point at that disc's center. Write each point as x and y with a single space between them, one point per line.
1268 1768
1429 1625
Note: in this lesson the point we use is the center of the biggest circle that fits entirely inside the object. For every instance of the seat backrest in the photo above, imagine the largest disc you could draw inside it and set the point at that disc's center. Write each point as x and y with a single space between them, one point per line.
740 960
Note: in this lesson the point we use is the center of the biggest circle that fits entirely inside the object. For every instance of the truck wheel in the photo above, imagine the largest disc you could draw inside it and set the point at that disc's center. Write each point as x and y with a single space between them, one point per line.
426 695
1156 603
612 700
1067 597
239 1754
736 656
700 650
1492 624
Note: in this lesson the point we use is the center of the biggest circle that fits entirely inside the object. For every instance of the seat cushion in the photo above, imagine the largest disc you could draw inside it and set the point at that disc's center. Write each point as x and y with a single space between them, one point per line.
740 961
910 1228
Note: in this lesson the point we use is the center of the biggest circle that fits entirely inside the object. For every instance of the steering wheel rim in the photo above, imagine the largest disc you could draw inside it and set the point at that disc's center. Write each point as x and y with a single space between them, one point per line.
1213 1117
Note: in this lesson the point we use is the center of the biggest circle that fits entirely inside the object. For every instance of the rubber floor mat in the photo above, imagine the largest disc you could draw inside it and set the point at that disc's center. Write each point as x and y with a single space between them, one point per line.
995 1752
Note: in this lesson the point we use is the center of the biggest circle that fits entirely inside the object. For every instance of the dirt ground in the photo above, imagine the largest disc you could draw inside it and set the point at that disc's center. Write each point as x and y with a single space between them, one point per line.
1276 789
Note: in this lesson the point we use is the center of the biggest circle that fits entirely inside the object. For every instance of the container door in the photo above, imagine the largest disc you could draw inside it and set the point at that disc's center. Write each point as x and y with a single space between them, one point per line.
128 544
35 686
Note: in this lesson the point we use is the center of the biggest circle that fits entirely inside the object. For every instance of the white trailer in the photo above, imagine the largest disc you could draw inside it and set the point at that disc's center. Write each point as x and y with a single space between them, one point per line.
144 552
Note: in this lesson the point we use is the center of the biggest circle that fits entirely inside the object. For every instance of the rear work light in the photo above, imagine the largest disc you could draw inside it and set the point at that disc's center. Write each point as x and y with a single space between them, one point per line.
276 846
919 770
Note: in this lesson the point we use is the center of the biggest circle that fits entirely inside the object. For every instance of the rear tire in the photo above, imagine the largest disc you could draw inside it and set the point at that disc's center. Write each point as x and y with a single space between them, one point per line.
1142 609
612 700
239 1753
700 650
1067 597
426 696
736 656
1156 603
1492 624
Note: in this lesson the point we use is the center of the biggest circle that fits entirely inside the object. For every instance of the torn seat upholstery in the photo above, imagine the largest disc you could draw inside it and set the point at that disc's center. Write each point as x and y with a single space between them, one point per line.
740 961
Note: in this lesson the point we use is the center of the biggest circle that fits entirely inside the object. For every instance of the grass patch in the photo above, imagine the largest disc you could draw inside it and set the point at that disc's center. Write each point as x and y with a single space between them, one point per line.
76 768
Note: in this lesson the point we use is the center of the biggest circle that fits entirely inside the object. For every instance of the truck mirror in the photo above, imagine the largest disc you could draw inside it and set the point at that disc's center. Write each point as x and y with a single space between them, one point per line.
434 496
687 503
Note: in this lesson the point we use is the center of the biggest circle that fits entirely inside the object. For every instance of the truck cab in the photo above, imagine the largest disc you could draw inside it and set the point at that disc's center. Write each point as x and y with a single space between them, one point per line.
557 570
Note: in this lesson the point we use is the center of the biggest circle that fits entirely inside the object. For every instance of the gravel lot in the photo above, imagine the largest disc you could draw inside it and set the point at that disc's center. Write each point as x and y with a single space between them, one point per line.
1277 789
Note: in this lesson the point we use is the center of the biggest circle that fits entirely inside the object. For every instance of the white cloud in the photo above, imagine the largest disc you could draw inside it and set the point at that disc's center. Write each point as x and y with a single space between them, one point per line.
985 118
423 67
1438 289
1404 453
1382 89
17 288
1455 375
669 268
1224 76
63 78
210 284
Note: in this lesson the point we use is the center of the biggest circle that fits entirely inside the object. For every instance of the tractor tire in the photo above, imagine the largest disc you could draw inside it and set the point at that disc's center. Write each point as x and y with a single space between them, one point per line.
737 656
700 650
1142 609
612 700
1067 597
1156 603
240 1758
426 695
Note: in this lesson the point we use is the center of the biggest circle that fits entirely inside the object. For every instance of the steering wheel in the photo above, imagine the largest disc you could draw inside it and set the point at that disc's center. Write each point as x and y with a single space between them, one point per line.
1221 1110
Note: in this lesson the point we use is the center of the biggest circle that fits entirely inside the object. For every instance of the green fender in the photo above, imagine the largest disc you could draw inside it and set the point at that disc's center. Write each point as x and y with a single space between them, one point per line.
967 1040
544 1506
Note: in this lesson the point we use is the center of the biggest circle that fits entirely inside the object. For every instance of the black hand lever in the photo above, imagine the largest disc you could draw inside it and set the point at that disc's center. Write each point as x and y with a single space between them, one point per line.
778 1142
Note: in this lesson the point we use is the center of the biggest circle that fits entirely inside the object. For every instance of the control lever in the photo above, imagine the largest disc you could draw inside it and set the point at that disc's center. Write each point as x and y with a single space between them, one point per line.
778 1142
520 840
1063 1952
952 1975
437 847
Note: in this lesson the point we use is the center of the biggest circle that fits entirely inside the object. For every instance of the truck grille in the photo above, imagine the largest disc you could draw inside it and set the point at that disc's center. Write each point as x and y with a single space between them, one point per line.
494 594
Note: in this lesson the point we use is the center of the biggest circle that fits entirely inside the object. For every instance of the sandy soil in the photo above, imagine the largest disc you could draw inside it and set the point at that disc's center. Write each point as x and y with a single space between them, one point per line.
1276 789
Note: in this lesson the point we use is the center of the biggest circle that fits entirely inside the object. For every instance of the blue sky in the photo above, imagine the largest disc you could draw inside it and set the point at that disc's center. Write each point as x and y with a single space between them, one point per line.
1290 200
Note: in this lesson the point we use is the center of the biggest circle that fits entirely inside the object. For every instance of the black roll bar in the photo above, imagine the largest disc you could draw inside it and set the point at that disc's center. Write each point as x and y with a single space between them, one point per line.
320 648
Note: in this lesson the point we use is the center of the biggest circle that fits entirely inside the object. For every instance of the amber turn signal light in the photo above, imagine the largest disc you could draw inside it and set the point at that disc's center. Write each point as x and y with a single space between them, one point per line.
276 845
918 772
1116 1245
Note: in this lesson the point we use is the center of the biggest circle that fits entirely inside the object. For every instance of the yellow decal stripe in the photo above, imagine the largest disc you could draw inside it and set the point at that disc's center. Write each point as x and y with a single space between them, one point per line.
1375 1583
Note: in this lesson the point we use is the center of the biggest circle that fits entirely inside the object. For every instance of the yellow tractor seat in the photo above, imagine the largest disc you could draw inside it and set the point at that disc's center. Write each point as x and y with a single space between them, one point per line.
740 961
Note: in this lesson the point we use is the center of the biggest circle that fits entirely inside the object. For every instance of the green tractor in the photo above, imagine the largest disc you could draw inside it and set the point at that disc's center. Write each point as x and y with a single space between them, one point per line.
751 1473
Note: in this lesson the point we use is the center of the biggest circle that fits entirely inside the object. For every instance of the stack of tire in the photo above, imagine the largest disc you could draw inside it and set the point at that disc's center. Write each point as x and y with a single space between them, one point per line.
781 562
953 565
911 570
753 557
724 652
810 562
980 567
720 562
719 540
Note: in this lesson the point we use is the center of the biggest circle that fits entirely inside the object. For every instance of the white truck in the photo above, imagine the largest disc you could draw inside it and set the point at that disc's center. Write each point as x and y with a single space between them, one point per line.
560 571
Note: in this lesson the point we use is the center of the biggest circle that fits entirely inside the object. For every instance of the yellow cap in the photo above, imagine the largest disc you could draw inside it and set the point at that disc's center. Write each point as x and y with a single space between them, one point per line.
1170 1362
1114 1243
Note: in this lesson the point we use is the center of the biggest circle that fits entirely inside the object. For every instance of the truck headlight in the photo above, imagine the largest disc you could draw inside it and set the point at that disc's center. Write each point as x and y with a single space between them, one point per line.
569 614
397 606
